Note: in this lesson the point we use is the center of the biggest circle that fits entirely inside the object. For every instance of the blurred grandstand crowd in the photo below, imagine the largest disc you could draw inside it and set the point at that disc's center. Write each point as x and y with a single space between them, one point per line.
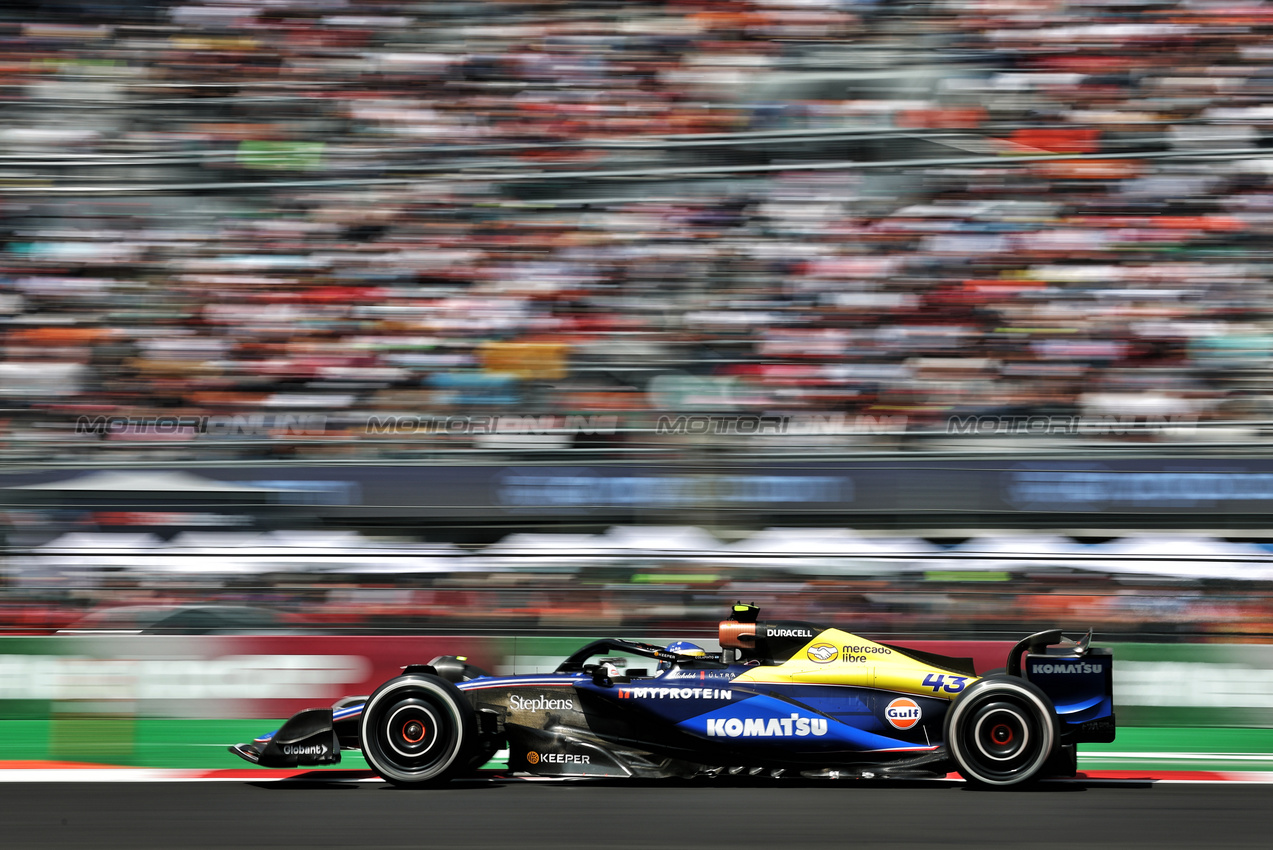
663 606
508 604
338 209
640 581
419 280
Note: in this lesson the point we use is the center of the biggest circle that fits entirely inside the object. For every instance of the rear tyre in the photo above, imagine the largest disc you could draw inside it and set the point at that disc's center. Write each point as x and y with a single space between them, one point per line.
1001 731
418 731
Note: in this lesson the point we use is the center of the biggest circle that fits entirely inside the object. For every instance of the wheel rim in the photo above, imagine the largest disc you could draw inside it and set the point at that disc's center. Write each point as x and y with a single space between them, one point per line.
411 729
1001 733
411 734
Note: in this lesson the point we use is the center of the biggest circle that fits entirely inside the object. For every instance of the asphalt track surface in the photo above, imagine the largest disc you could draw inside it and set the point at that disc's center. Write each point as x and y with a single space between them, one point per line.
620 815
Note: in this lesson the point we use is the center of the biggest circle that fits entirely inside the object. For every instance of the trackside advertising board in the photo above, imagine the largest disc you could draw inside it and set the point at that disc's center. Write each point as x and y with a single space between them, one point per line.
272 677
208 677
1193 684
1218 488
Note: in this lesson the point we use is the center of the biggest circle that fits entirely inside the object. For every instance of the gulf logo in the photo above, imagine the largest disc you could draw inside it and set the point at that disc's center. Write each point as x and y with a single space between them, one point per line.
822 653
903 713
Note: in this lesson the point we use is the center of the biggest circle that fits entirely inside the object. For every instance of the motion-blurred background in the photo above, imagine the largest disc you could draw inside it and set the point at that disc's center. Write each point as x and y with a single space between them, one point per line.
934 320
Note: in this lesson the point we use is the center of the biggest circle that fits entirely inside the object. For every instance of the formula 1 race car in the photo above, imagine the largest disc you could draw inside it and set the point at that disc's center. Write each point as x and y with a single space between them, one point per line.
780 698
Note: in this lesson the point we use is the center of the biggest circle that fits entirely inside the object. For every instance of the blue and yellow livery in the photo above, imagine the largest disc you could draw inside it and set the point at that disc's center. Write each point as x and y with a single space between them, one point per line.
779 698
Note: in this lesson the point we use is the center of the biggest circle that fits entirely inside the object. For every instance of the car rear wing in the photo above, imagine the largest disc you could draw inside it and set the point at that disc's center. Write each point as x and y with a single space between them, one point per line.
1039 642
1077 677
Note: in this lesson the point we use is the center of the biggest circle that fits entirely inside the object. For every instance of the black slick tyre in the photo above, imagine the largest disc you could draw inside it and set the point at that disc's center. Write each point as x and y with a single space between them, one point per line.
418 731
1001 731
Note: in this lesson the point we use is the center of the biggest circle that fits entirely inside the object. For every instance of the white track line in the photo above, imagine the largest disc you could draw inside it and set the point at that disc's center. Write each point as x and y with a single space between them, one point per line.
1180 756
98 775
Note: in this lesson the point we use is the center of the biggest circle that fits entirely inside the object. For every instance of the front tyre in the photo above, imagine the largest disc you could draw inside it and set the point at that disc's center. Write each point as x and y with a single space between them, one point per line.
1001 731
418 731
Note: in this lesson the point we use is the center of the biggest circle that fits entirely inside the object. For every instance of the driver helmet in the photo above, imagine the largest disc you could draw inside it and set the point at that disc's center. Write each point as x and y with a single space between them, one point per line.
682 647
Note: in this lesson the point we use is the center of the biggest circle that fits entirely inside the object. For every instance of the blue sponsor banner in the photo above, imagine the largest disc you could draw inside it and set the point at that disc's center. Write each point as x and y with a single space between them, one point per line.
1091 487
1216 488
